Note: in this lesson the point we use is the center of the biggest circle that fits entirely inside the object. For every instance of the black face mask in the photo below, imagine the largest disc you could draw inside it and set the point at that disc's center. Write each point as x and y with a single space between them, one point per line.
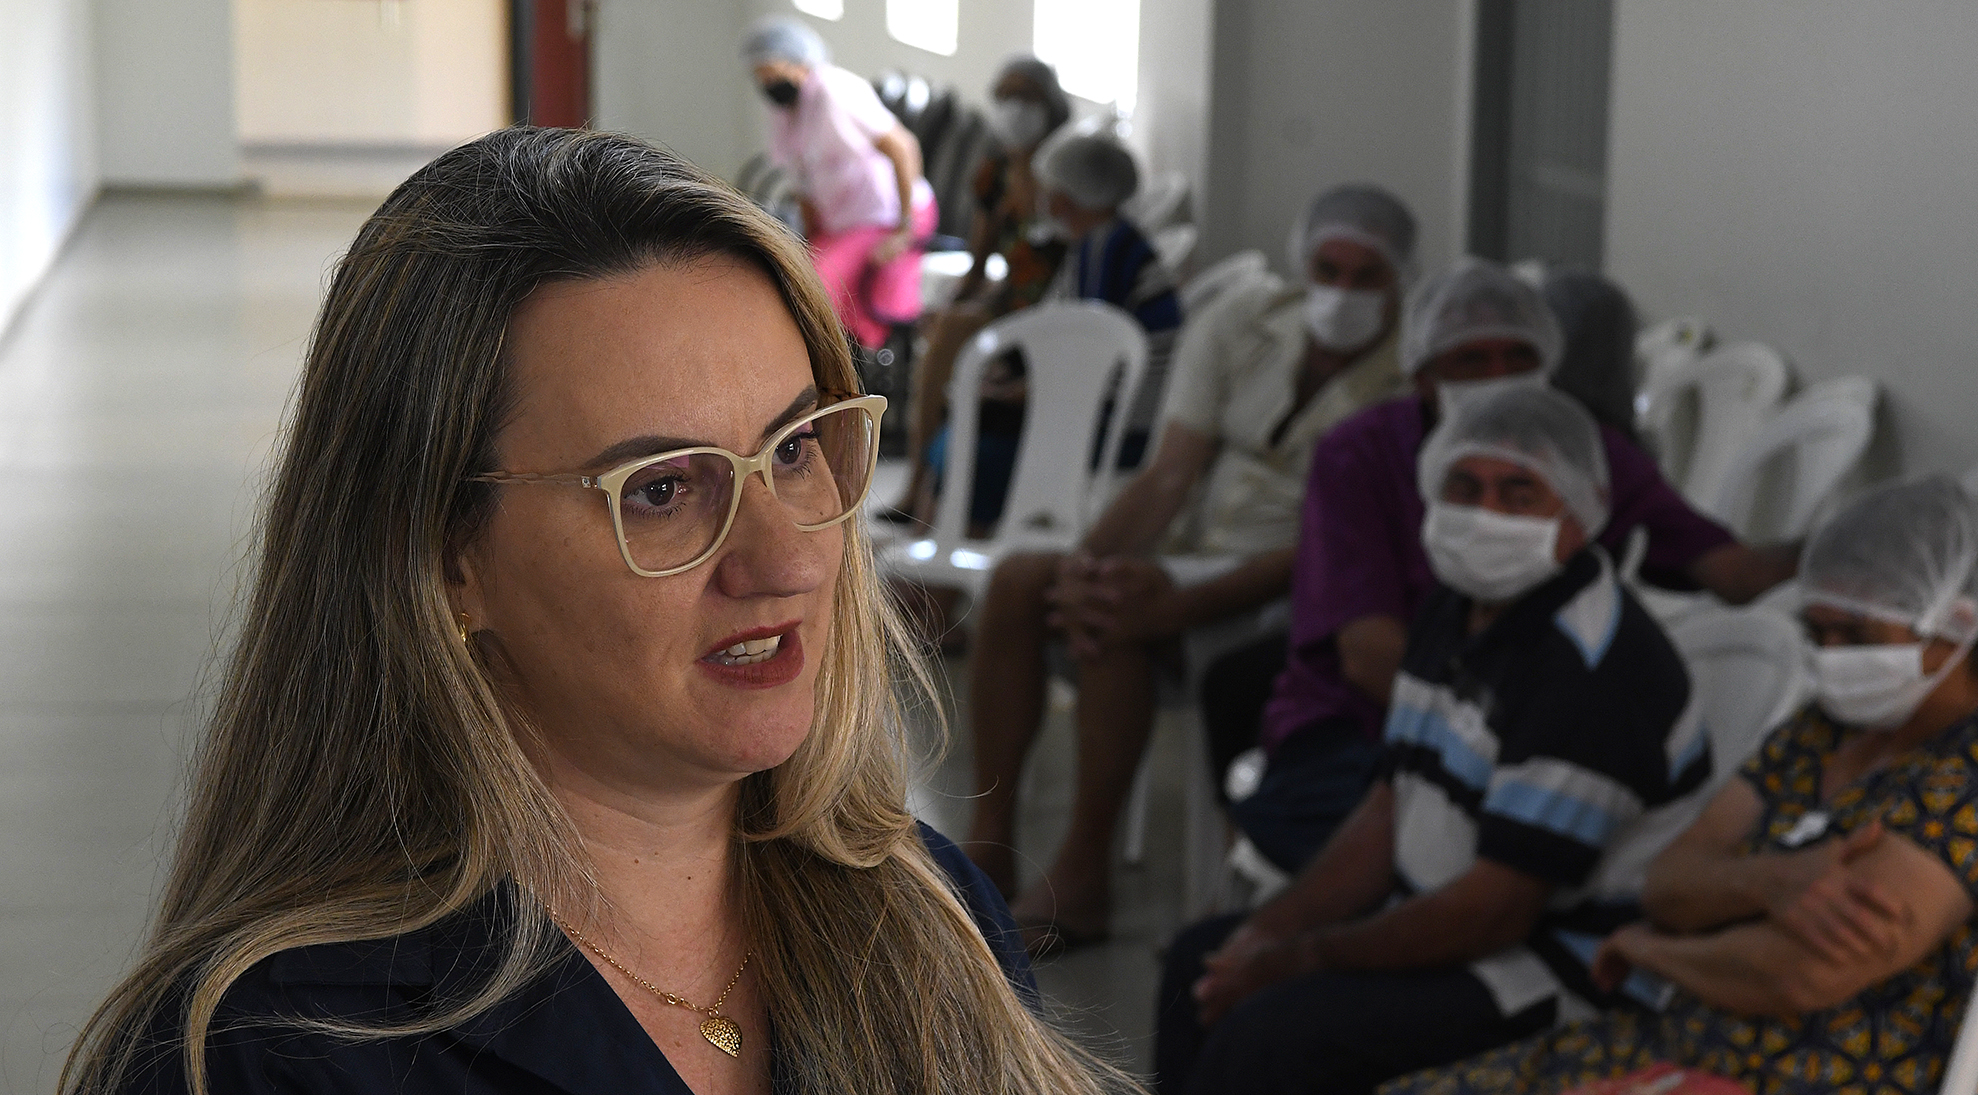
781 92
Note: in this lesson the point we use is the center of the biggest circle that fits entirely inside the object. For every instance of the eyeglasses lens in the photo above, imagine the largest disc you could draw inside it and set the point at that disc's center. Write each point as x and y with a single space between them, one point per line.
671 512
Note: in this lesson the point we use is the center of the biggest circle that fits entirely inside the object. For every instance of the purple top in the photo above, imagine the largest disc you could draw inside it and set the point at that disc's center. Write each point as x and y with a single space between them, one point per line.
1360 551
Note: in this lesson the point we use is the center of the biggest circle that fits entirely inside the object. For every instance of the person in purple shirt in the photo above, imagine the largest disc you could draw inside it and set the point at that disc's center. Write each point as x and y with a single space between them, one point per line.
1360 573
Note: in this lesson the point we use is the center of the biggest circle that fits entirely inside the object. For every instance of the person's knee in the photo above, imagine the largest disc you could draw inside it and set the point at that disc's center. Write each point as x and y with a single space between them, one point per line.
1021 580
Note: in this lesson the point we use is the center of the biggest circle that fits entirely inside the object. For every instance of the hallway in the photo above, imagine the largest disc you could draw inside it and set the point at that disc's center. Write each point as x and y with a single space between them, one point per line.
140 394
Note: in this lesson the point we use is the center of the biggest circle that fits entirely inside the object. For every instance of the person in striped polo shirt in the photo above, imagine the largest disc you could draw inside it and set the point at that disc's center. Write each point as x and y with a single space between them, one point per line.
1542 745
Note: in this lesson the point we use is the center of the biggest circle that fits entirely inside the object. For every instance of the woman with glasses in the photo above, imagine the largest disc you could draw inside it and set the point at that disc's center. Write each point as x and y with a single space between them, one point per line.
559 748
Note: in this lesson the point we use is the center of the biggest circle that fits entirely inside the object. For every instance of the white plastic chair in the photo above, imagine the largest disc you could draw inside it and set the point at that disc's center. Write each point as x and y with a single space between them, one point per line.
1748 666
1699 413
1175 244
1219 278
1661 350
1961 1073
1779 481
1072 352
940 272
1161 202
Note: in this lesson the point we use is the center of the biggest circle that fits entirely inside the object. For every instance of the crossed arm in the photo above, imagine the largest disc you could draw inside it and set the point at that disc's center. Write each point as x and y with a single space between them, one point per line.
1788 932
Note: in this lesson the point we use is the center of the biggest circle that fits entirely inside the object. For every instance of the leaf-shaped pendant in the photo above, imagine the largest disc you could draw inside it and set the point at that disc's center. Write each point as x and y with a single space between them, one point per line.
722 1033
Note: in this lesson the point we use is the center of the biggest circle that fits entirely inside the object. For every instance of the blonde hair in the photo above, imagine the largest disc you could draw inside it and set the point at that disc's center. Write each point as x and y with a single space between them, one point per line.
360 778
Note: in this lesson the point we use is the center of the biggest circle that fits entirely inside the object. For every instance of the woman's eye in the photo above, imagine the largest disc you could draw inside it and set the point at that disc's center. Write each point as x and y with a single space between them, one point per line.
795 449
660 489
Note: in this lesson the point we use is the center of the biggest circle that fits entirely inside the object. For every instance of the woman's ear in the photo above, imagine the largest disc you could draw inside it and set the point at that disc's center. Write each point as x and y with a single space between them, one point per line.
462 570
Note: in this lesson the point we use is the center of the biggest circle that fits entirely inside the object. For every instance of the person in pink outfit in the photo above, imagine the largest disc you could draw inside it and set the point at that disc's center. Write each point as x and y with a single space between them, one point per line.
867 209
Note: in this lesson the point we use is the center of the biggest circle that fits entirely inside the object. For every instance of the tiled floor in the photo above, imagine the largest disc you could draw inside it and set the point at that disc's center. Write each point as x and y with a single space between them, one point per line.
140 395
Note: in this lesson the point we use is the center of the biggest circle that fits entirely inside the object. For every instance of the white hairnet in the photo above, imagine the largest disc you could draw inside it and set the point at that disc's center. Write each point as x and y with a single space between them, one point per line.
1905 553
1475 299
784 38
1535 427
1094 170
1368 216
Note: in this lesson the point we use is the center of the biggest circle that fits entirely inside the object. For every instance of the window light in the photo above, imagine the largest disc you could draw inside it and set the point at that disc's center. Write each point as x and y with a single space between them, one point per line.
932 25
1094 45
822 9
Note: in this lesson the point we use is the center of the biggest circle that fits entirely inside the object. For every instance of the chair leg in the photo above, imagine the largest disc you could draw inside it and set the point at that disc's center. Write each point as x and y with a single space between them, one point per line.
1136 812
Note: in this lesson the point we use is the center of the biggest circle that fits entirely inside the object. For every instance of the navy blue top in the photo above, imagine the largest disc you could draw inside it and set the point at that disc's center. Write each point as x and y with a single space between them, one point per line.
566 1032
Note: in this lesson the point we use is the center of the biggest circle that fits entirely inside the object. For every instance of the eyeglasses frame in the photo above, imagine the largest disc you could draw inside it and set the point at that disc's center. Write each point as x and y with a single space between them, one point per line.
613 481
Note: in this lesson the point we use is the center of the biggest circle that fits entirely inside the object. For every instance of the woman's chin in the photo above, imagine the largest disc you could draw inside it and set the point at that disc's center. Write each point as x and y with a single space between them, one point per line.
758 736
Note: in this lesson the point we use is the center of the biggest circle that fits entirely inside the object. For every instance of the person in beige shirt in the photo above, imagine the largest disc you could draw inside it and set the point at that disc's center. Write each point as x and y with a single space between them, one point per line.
1194 552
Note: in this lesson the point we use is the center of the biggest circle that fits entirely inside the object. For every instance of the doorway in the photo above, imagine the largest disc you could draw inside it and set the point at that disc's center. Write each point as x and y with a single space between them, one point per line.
550 61
1538 152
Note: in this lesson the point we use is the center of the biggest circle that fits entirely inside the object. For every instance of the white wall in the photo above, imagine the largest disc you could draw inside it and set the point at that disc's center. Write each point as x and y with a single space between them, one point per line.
1309 94
1802 172
430 73
669 71
47 137
1171 119
165 88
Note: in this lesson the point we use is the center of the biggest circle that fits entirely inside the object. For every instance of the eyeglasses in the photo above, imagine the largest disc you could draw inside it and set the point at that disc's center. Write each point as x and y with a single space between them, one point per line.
673 511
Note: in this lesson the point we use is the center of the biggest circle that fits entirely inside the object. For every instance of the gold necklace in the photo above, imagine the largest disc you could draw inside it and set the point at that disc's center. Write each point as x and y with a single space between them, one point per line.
719 1030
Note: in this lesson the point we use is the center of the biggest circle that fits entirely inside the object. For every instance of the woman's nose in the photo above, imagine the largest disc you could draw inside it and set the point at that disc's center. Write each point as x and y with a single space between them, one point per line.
766 554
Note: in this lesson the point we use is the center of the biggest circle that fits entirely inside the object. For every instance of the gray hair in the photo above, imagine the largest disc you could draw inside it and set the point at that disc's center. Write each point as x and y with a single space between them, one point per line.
1093 170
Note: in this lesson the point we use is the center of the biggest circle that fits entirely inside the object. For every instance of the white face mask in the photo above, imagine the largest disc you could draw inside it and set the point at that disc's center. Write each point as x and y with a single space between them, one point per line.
1876 687
1018 123
1343 319
1451 394
1489 556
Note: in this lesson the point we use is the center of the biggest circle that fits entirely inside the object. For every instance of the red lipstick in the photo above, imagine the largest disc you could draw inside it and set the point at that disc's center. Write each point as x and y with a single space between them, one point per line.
780 667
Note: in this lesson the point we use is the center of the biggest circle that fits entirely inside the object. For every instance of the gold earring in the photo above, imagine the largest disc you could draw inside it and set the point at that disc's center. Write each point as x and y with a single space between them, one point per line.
460 627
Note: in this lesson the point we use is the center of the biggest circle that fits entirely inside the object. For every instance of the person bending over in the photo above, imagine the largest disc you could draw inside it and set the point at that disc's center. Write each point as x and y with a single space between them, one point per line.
557 751
1815 925
867 208
1541 732
1361 572
1193 546
1027 107
1085 179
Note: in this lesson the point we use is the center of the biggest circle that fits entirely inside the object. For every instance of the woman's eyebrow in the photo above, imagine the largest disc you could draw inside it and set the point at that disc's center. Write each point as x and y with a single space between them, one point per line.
633 448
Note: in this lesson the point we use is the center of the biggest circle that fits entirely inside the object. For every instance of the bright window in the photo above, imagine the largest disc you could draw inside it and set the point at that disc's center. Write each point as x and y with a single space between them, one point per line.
1094 45
823 9
932 25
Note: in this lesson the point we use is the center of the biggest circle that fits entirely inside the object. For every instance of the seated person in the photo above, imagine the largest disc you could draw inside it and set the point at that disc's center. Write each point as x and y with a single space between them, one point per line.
1194 545
1816 921
1085 178
1361 572
1027 107
1541 730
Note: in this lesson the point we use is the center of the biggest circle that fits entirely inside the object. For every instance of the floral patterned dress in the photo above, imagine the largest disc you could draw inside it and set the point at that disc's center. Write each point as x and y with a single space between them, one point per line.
1891 1039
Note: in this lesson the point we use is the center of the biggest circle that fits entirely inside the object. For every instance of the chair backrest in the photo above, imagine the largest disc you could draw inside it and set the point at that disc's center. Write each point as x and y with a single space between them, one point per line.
1748 667
1175 244
1076 354
1198 291
1161 201
1660 352
1733 389
1784 475
951 167
1678 339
